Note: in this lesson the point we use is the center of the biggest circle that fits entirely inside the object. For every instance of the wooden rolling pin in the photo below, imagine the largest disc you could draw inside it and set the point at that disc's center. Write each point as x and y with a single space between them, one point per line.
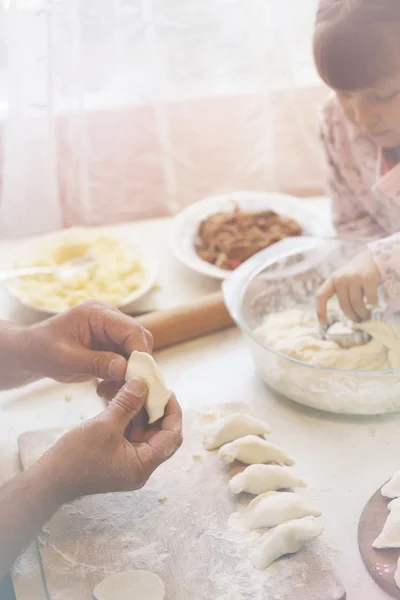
187 322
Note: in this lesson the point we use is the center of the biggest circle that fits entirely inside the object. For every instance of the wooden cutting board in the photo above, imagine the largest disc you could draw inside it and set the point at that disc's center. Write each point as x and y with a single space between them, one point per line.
176 526
381 564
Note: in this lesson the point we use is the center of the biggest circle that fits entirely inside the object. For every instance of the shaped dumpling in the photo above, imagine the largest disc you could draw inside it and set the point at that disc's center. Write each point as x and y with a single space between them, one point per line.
392 488
233 427
397 574
390 536
394 504
287 538
253 450
274 508
143 366
258 479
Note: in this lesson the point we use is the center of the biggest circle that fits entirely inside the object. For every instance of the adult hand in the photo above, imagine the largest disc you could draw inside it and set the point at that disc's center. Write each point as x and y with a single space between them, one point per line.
91 340
115 451
355 285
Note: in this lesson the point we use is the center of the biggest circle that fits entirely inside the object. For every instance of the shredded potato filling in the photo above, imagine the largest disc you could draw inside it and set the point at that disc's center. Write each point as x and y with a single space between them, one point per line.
116 272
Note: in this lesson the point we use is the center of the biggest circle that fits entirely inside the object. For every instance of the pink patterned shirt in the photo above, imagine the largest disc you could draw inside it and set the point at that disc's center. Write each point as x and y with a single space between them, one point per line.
364 187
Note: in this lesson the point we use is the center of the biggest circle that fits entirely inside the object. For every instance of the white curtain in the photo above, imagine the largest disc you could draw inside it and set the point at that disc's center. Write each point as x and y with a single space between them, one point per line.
123 109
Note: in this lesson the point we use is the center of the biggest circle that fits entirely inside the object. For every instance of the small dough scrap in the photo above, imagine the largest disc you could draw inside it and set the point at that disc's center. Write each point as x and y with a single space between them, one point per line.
390 536
287 538
258 479
252 450
397 574
143 366
274 508
141 585
233 427
392 488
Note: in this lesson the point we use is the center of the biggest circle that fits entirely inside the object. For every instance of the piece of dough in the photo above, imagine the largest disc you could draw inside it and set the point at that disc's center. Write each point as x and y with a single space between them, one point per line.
390 536
253 450
140 585
274 508
233 427
392 488
287 538
143 366
394 504
296 333
258 479
397 574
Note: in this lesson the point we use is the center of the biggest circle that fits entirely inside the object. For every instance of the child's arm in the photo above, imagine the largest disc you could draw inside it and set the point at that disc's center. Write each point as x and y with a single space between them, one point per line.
345 186
386 255
357 283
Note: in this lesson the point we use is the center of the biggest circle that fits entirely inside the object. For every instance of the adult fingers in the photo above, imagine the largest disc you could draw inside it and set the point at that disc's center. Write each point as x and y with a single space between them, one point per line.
168 439
108 388
127 404
127 333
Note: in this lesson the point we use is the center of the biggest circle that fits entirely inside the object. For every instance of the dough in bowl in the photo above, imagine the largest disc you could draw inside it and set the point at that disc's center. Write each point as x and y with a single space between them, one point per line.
295 333
140 585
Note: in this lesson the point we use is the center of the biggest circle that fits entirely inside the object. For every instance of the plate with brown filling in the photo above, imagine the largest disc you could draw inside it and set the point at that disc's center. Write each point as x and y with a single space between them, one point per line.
216 235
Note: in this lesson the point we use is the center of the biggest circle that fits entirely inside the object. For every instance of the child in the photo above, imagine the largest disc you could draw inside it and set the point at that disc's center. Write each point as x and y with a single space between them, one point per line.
357 53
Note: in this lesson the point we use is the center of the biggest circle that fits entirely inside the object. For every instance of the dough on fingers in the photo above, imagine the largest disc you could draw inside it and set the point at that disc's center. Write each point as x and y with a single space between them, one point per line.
258 479
233 427
274 508
287 538
391 489
140 585
143 366
253 450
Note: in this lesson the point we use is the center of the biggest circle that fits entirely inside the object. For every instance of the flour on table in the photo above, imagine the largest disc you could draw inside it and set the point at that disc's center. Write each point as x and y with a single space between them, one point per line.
295 333
141 585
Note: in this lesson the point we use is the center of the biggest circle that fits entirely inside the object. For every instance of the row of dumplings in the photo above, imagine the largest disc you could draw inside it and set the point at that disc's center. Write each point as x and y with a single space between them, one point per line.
390 536
288 517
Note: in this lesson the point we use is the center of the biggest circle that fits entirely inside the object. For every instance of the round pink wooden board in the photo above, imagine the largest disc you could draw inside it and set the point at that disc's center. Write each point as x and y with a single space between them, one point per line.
381 564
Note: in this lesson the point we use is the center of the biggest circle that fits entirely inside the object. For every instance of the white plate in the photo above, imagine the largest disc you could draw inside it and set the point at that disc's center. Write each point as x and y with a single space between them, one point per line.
185 225
33 247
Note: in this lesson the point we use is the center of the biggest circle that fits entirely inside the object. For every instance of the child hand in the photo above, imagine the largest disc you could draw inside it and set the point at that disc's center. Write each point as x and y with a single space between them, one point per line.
355 285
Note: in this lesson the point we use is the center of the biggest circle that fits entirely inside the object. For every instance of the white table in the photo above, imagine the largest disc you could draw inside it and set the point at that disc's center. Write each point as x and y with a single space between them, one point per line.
344 459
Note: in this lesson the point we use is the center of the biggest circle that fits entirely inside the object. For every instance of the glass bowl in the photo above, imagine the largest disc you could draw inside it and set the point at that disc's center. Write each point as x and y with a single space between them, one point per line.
285 276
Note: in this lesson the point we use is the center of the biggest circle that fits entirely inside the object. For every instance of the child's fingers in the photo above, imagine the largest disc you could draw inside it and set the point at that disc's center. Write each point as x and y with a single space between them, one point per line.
371 292
356 297
343 293
324 294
